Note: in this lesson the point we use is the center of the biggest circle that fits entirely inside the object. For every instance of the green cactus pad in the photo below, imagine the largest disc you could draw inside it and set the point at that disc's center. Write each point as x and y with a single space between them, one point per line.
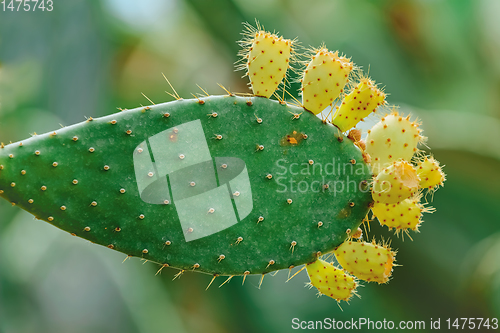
227 185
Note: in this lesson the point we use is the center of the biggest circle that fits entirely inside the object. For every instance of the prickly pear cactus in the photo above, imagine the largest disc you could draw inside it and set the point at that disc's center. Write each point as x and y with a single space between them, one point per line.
209 186
237 185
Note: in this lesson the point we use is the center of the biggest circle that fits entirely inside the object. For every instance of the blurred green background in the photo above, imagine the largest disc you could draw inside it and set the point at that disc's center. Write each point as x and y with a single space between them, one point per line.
438 59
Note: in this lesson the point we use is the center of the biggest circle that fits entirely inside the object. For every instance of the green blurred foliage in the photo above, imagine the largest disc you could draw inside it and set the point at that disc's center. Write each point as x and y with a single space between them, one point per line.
437 59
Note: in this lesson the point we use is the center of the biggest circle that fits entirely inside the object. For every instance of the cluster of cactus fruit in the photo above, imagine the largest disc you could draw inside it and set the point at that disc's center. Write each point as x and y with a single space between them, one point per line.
239 184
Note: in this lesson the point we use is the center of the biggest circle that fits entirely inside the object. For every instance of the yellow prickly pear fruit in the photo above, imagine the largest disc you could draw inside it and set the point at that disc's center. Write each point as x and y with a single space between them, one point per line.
430 173
324 79
403 215
266 58
366 261
397 182
391 139
331 281
359 103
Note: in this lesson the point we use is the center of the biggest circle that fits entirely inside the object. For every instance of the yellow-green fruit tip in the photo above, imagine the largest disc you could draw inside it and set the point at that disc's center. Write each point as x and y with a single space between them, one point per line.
331 281
364 99
393 138
370 262
430 173
324 79
397 182
403 215
266 58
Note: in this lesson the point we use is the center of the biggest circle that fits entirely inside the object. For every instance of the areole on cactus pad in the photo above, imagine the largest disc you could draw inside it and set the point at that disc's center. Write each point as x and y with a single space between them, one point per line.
236 185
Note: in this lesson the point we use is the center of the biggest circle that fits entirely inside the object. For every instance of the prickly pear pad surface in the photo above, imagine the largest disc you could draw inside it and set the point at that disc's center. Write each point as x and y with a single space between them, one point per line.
297 190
